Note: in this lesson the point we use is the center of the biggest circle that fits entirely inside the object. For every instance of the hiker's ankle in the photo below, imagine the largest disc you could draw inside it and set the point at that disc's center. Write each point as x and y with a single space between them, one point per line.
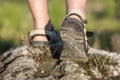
46 25
79 14
40 38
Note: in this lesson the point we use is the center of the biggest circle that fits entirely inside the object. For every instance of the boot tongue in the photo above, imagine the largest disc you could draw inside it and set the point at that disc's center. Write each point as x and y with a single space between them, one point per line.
49 26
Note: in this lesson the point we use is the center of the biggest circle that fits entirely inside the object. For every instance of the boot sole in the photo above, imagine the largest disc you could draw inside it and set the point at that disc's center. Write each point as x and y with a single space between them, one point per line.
73 36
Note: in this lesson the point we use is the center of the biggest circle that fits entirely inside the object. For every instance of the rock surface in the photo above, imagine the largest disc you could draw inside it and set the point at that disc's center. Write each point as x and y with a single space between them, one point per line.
27 63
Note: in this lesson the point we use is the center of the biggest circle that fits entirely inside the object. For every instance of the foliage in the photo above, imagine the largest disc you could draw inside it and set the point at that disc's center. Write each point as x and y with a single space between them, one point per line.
16 20
117 9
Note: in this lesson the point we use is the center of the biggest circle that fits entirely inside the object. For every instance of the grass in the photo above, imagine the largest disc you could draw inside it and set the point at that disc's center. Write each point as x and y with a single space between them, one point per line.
16 20
100 64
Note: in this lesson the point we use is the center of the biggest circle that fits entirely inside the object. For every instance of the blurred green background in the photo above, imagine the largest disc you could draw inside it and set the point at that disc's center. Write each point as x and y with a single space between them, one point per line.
103 19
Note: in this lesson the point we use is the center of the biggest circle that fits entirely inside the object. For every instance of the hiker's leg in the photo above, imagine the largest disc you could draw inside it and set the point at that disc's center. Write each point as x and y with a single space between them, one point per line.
73 32
78 5
39 10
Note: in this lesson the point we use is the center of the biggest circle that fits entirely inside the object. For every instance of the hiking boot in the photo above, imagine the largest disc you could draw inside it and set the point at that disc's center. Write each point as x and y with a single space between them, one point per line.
73 34
53 42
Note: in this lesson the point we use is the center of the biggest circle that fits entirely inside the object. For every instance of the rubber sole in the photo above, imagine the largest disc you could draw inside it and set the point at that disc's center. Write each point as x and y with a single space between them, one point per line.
73 36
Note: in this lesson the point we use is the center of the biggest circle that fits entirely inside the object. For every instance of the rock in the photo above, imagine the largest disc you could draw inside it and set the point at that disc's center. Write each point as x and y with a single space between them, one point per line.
27 63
